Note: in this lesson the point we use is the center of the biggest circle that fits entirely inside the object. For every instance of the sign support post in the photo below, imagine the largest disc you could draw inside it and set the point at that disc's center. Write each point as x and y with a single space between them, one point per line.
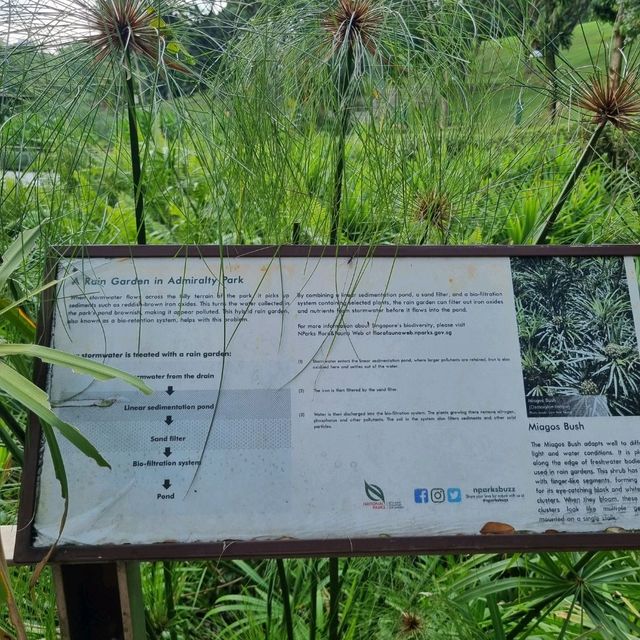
100 601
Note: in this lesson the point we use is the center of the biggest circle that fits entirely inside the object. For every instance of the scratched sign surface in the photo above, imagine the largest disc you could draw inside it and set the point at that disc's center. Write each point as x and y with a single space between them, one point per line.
323 397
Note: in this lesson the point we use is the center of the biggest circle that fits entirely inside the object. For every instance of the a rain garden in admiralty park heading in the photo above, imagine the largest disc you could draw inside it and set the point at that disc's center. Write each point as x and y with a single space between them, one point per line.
349 122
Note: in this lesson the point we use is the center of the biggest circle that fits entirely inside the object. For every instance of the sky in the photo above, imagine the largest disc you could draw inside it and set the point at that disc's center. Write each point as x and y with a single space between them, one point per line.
55 23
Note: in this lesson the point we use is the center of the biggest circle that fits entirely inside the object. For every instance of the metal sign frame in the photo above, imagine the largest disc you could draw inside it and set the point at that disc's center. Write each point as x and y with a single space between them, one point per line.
25 552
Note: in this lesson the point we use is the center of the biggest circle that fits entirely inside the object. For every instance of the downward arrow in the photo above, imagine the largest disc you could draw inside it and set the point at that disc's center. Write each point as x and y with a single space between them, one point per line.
170 389
168 419
166 484
167 451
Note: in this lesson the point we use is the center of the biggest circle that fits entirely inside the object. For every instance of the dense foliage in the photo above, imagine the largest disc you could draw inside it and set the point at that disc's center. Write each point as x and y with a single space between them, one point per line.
577 335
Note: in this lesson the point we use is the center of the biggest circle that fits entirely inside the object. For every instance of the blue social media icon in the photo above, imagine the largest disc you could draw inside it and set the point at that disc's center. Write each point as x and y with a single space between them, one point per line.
454 495
421 496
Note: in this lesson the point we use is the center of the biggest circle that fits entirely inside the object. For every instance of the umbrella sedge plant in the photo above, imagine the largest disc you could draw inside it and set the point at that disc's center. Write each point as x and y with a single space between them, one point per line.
346 92
354 28
79 66
600 101
604 102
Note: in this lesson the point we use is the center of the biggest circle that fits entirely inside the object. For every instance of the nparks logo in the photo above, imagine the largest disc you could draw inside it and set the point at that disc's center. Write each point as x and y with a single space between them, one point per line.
376 499
375 495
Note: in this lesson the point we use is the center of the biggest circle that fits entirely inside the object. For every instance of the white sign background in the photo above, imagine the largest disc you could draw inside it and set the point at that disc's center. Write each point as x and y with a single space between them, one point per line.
312 398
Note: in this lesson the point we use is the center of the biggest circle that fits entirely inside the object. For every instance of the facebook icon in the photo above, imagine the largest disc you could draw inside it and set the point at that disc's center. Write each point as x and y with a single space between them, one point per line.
421 496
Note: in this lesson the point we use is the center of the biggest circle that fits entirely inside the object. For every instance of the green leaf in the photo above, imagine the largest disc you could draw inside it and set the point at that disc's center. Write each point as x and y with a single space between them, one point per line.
61 476
18 319
13 257
58 465
6 305
496 618
178 51
492 588
6 441
35 399
156 22
76 363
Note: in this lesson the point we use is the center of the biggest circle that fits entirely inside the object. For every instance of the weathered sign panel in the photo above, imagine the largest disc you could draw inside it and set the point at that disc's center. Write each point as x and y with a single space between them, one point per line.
308 401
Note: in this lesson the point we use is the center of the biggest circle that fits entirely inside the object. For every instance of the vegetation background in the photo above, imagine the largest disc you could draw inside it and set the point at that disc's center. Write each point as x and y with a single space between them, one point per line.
332 121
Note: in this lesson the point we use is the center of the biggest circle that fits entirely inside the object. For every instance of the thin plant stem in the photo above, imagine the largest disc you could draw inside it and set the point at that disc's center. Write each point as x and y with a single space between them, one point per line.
313 600
286 602
14 426
138 195
7 442
583 161
551 65
12 605
334 598
168 597
270 590
338 178
345 74
296 233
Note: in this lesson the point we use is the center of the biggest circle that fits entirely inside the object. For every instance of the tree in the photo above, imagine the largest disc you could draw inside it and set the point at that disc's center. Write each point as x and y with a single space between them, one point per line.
553 25
216 27
625 17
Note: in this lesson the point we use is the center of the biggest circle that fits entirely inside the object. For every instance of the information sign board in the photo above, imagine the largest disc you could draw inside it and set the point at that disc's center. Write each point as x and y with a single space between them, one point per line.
309 400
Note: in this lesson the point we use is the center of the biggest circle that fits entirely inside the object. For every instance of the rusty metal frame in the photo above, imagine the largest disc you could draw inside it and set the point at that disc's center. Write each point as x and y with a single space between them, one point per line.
25 552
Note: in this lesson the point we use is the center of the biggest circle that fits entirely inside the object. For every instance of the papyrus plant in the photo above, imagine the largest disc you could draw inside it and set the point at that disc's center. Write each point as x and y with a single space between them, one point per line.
603 101
73 58
354 29
338 66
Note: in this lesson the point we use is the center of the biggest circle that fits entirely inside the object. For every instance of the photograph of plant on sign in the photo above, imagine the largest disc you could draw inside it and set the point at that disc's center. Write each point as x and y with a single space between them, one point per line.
577 337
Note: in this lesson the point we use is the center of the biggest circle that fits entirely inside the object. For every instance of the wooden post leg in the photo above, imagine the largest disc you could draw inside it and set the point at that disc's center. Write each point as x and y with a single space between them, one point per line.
131 601
100 601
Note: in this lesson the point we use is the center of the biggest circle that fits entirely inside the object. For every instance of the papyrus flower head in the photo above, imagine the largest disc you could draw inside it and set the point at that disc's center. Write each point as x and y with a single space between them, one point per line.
353 24
434 209
617 103
410 623
112 29
124 27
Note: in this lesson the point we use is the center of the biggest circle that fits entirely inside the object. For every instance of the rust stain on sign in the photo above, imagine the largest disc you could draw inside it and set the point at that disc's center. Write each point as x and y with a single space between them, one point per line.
496 528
